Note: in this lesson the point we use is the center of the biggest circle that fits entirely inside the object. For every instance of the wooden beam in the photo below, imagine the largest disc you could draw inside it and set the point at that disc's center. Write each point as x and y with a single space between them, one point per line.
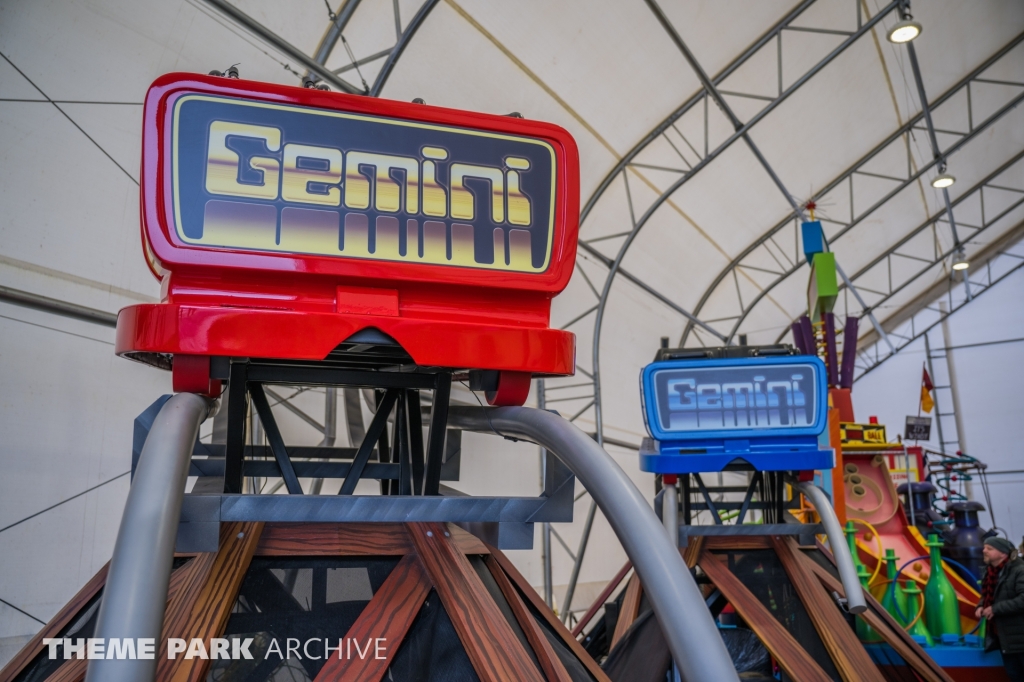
792 657
735 542
466 541
74 669
207 615
602 598
550 664
493 648
179 607
692 551
629 610
887 628
334 539
29 652
388 616
851 659
549 617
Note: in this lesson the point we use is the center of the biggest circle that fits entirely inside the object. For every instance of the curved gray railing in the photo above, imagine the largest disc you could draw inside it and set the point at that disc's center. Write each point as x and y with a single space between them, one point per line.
840 549
690 631
136 587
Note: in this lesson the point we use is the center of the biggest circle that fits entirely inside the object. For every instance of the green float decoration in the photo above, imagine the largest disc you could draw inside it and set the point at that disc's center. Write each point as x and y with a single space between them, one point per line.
918 629
895 599
865 632
851 538
941 609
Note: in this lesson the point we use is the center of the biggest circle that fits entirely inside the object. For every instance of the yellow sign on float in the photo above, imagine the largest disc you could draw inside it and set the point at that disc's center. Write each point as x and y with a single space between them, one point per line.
267 177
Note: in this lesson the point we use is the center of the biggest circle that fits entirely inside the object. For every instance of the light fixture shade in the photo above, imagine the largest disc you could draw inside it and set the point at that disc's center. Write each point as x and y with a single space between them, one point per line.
943 181
960 261
904 31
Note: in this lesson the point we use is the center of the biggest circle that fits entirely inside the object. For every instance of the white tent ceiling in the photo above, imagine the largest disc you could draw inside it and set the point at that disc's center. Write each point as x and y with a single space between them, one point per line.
824 89
74 72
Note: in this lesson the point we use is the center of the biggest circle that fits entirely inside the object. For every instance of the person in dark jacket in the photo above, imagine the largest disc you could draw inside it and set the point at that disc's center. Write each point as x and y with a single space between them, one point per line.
1002 602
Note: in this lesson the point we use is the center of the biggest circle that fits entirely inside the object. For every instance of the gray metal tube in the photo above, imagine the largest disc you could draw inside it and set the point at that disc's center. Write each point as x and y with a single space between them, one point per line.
670 513
136 589
840 550
689 629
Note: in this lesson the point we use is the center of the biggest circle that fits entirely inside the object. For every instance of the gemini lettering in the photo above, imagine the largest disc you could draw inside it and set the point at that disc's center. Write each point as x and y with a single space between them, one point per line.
425 205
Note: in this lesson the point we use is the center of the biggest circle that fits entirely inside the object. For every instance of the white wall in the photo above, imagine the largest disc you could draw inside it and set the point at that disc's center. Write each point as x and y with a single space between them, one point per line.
989 381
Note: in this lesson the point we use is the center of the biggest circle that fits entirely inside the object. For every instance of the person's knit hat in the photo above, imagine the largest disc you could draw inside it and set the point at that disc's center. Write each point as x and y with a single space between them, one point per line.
1002 544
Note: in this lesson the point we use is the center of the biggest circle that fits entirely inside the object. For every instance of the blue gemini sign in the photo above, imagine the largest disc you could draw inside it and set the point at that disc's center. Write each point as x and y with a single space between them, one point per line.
747 408
697 400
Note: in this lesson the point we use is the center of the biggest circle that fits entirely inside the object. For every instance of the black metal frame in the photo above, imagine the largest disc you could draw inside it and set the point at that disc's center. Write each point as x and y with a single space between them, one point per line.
771 500
404 467
410 470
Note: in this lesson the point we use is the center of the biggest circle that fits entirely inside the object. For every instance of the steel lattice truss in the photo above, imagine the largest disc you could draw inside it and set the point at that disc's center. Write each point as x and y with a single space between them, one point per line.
776 256
1000 263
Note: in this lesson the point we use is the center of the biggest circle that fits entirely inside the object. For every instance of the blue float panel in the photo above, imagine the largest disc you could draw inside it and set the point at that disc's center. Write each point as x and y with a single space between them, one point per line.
813 238
706 414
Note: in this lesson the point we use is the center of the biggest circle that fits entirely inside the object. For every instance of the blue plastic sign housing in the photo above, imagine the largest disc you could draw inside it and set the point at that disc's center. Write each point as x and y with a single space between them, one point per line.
705 414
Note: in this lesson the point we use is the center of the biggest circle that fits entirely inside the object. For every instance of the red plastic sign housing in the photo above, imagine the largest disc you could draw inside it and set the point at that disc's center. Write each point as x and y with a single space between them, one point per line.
283 220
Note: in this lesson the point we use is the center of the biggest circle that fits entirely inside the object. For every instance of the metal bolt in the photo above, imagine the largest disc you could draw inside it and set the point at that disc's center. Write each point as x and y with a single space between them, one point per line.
430 534
447 534
241 535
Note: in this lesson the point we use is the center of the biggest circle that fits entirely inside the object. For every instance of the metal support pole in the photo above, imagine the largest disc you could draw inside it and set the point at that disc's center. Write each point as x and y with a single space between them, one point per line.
864 306
282 45
837 541
670 512
330 430
936 152
938 408
330 39
578 562
545 529
712 91
678 604
57 307
954 389
136 588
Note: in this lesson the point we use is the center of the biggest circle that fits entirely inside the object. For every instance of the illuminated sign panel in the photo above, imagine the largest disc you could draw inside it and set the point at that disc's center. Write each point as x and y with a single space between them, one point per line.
735 398
257 176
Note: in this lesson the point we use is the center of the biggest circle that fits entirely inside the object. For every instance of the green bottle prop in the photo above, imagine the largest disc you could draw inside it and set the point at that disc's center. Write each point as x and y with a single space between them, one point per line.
851 538
894 595
865 632
941 610
912 595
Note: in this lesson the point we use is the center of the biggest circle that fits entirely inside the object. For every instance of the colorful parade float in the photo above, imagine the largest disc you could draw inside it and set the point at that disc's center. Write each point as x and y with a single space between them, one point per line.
813 537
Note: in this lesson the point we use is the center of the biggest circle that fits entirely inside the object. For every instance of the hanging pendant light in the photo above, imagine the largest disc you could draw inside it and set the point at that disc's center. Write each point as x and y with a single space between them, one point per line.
960 261
943 181
904 31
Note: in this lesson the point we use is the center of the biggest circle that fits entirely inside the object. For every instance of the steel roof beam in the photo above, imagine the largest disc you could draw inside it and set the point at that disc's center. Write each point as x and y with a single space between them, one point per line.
936 152
658 130
333 33
923 300
956 147
939 257
711 90
854 169
616 263
922 303
282 45
708 158
399 48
